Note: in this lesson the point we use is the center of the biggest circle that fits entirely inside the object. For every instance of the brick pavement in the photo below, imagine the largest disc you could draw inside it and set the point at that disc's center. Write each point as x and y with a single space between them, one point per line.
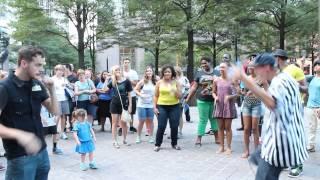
139 161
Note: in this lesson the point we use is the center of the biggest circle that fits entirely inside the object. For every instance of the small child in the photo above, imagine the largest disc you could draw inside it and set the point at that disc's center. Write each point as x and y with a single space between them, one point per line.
50 128
84 136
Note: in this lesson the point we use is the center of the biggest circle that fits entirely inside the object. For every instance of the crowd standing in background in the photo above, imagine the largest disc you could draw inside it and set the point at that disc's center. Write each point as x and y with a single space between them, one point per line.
70 101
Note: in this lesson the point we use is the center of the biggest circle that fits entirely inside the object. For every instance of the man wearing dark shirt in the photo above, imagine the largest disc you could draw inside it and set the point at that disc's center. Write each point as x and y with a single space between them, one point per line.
21 97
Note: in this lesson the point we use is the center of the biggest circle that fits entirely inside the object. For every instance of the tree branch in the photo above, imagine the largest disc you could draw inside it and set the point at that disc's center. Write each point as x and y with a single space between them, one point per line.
63 36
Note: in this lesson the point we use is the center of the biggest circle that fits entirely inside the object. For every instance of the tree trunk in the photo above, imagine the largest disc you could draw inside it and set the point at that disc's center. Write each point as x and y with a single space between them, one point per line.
282 25
214 47
81 48
156 62
190 54
190 41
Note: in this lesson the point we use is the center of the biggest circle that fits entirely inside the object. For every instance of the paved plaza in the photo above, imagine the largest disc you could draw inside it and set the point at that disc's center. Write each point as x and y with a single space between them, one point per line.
139 161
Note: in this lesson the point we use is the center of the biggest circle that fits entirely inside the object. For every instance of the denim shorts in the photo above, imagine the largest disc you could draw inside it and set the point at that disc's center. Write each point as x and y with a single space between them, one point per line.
64 108
252 110
145 113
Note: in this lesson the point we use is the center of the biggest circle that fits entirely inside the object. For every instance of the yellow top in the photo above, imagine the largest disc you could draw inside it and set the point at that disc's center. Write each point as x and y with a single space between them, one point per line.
167 94
295 72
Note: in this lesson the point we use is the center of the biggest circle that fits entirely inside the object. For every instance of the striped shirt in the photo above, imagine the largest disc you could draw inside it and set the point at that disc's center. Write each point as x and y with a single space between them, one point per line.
284 143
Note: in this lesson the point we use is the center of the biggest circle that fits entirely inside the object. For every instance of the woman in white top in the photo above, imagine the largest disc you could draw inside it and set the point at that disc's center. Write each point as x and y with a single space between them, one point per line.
60 83
185 86
145 92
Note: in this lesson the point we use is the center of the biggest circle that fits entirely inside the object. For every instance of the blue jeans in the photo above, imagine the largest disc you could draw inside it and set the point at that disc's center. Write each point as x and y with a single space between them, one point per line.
171 112
29 167
267 172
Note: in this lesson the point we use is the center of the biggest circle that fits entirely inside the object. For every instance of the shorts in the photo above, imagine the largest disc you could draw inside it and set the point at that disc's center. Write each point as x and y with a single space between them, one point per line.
84 105
64 107
115 106
104 108
134 105
50 130
252 110
145 113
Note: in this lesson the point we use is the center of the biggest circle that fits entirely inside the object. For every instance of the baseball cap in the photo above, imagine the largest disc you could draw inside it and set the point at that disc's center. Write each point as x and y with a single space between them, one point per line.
280 53
264 59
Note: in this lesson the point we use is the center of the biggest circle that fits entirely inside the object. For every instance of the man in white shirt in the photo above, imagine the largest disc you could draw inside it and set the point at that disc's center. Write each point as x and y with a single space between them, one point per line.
132 75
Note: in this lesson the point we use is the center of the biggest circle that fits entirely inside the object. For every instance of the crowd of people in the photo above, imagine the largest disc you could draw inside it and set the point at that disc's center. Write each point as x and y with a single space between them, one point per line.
72 100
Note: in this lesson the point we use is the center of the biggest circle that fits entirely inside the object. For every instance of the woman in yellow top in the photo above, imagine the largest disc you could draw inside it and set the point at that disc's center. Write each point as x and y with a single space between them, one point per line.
166 106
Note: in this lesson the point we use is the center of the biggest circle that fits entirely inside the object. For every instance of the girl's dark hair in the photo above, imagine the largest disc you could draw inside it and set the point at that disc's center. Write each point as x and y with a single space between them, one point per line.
174 74
102 79
153 78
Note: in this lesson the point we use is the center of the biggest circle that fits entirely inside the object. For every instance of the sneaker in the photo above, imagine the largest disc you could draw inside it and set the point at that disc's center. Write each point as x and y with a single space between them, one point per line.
296 172
116 145
138 140
132 129
120 132
210 132
63 136
240 129
156 149
83 167
93 165
57 151
2 168
311 149
151 140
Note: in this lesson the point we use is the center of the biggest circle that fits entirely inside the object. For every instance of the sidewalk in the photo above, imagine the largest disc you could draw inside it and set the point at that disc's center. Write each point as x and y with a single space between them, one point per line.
139 161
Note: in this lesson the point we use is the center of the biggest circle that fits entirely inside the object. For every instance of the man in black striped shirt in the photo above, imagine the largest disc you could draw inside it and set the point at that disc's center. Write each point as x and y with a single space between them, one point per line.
284 143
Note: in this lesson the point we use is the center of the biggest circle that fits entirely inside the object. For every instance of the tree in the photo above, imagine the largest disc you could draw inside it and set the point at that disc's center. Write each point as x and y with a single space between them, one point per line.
282 15
192 11
158 29
33 31
83 16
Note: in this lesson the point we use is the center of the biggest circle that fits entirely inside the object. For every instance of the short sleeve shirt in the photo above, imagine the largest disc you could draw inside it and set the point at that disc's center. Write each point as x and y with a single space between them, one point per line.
124 88
295 72
86 85
83 130
314 93
132 75
204 80
21 106
284 143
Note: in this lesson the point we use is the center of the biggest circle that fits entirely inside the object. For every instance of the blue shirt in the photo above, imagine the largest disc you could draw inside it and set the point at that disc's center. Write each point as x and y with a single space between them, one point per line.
86 85
104 96
83 130
314 93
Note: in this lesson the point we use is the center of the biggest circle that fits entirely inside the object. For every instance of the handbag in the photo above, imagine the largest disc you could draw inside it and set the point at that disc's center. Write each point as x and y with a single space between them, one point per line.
93 97
125 116
68 91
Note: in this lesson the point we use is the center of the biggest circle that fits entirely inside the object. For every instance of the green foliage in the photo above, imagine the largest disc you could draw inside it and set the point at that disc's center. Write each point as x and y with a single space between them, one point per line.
31 29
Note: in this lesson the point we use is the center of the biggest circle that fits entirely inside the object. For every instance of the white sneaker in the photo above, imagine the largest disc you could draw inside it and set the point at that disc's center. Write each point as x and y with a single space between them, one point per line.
138 140
151 140
63 136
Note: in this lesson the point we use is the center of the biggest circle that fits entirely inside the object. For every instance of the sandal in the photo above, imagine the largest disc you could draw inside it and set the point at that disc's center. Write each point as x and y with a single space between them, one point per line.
228 152
245 155
176 147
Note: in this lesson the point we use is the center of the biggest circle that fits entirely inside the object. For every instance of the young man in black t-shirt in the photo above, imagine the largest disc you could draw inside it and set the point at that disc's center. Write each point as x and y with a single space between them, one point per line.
21 97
